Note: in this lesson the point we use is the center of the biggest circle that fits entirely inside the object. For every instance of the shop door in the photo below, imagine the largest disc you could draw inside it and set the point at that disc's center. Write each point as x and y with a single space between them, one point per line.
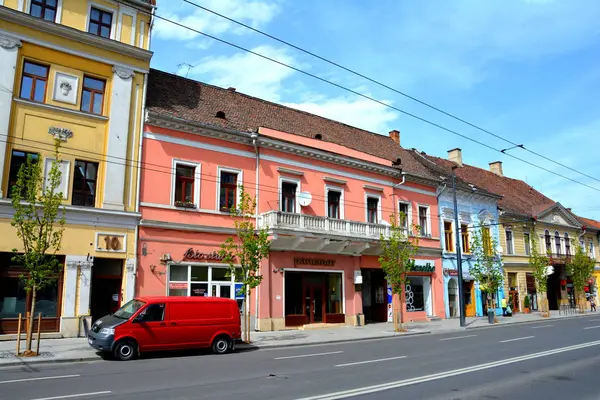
221 290
314 302
469 295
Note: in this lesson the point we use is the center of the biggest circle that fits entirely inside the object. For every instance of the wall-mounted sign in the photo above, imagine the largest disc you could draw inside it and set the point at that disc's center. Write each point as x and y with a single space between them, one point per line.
60 133
110 242
238 289
178 286
450 272
423 266
314 261
190 254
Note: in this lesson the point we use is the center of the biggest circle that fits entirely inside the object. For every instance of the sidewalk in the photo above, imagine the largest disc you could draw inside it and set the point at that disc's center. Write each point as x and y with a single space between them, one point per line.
77 349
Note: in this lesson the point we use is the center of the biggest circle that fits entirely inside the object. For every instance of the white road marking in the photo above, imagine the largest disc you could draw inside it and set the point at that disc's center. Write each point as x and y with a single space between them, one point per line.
458 337
592 327
541 326
42 378
447 374
515 339
370 361
308 355
71 396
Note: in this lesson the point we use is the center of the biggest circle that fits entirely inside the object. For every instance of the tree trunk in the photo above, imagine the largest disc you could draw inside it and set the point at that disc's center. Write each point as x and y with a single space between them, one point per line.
401 313
30 323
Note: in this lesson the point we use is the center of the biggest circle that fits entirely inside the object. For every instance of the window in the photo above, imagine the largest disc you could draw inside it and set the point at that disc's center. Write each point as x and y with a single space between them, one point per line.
228 191
466 241
509 242
448 243
582 244
84 183
153 313
201 280
92 95
333 204
372 210
487 241
527 243
415 295
403 210
33 82
288 197
45 9
17 159
567 244
557 242
184 184
591 248
100 22
548 241
423 225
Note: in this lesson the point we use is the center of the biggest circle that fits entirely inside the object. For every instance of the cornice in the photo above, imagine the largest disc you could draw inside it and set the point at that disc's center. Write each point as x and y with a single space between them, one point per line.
185 227
76 35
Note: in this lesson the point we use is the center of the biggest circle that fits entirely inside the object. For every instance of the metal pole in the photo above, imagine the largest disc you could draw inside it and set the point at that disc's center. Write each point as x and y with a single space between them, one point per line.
461 298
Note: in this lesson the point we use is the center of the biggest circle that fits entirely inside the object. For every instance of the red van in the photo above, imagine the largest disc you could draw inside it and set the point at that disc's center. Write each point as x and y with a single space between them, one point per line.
168 323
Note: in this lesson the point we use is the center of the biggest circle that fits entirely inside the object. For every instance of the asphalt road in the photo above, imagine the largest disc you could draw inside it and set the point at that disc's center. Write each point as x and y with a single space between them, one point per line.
557 359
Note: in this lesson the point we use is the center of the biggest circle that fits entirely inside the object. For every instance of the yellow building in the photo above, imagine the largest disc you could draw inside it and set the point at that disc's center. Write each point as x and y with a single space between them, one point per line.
76 70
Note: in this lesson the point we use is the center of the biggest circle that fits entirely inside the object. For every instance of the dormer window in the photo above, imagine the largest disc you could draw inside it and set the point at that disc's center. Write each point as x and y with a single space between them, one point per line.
100 22
44 9
220 114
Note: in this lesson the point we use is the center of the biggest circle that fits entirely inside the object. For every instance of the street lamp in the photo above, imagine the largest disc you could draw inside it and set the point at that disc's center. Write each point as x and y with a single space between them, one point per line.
461 298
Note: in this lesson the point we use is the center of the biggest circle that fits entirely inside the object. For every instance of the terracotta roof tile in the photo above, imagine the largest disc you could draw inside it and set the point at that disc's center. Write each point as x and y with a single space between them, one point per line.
589 222
175 96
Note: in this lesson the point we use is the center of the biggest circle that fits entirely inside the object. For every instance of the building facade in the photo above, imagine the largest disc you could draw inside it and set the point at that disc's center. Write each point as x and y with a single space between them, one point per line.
325 192
75 70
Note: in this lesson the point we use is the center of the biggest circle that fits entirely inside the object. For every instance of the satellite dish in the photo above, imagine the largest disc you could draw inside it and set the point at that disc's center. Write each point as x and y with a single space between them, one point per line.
304 198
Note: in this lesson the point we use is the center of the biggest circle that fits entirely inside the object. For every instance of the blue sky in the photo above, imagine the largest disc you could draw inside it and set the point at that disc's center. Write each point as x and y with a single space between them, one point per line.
524 69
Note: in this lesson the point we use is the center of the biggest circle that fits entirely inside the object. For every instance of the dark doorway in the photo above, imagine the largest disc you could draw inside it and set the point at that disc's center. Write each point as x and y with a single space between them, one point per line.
374 295
553 288
106 293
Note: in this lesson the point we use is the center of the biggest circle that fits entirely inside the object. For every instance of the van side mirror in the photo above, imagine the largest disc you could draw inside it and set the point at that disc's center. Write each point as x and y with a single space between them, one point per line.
139 318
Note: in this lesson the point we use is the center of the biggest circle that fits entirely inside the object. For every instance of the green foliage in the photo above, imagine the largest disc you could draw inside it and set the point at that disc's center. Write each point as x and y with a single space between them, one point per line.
487 265
526 302
538 263
580 268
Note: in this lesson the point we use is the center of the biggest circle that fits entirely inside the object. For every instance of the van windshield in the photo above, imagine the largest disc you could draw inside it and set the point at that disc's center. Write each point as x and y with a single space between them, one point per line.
129 309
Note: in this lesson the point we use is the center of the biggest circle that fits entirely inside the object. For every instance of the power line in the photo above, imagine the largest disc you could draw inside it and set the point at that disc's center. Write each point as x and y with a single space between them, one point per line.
379 83
434 124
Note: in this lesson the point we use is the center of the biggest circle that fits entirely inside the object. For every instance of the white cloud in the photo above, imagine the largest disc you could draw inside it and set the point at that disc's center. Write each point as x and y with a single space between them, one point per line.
255 13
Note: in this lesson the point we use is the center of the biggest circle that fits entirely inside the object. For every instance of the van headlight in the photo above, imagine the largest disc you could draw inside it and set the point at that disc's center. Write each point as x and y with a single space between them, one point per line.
107 331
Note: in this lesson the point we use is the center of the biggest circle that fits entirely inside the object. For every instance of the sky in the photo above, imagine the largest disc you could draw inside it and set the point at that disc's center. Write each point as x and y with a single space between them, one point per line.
526 70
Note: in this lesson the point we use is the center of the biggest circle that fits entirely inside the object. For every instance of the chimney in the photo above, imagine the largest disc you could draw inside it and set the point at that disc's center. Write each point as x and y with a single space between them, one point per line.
456 156
231 89
496 167
395 135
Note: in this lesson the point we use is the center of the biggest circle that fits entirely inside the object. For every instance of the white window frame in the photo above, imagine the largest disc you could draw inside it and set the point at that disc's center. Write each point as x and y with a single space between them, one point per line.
512 241
567 237
208 282
114 11
197 179
582 244
544 244
379 213
298 184
408 215
57 17
469 227
333 188
428 215
560 245
528 234
591 248
239 183
452 227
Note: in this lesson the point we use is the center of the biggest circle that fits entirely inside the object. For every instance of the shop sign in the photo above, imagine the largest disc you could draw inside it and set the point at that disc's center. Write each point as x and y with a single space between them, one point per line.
177 286
238 289
190 254
314 261
390 310
429 267
450 272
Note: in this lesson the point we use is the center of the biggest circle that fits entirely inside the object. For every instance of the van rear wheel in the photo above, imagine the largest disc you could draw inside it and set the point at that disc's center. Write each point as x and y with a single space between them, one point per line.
125 350
221 345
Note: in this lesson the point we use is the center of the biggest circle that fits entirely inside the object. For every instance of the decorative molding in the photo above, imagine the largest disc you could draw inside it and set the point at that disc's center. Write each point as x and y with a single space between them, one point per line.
66 87
335 180
185 227
60 133
56 108
123 73
373 188
7 42
290 171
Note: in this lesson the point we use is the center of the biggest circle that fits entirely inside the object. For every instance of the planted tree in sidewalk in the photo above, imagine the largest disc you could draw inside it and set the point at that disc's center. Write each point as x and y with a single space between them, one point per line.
540 266
39 221
487 265
397 259
580 268
245 252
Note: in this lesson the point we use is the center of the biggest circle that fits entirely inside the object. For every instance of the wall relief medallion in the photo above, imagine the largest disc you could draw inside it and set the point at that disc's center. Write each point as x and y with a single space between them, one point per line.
65 88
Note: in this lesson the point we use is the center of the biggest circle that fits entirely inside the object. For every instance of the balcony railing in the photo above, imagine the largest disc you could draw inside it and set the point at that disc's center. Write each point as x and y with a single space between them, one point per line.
314 224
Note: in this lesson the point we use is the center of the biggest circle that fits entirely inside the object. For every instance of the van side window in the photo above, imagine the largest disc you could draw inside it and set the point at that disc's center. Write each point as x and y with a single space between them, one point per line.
154 313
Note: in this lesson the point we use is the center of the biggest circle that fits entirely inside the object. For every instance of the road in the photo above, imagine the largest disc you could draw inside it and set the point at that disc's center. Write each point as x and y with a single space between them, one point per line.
556 359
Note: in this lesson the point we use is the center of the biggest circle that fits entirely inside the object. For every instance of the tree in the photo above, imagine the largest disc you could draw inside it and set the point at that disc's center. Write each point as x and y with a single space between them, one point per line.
397 259
248 249
487 265
37 205
539 264
580 268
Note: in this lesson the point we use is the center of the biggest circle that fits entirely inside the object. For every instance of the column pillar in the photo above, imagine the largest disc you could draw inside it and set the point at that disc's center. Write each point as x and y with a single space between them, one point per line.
85 284
130 268
9 50
75 266
118 137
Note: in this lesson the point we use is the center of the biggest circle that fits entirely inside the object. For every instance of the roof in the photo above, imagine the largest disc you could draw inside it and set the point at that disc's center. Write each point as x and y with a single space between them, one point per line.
174 96
589 222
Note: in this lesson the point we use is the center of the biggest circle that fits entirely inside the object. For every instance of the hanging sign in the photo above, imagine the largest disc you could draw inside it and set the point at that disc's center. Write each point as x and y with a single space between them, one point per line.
238 289
390 307
190 254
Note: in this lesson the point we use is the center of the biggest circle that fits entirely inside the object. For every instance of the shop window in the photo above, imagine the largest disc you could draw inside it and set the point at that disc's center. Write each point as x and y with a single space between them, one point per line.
100 23
45 9
199 289
34 82
199 273
178 273
466 240
372 210
527 243
84 183
13 297
423 221
288 197
509 242
92 95
333 204
228 191
204 280
448 241
184 184
18 159
220 274
415 296
334 300
404 215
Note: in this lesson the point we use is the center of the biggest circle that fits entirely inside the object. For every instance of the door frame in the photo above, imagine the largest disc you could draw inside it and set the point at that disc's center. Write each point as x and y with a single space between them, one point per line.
310 319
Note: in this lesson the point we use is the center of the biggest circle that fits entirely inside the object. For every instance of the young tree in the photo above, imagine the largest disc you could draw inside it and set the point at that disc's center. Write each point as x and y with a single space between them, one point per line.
39 220
539 264
248 249
487 265
580 268
397 259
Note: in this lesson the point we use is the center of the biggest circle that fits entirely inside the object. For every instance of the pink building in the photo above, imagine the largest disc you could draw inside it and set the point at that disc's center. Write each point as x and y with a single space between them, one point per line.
324 191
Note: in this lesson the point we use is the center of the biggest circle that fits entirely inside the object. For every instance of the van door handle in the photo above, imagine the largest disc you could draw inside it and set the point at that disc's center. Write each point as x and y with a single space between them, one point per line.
163 324
173 324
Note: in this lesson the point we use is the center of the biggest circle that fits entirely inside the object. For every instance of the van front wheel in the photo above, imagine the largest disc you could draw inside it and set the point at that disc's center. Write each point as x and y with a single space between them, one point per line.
221 345
125 350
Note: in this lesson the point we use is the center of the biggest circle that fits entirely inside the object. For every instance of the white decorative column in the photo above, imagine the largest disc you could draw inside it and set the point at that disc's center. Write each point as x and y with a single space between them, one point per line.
130 267
9 50
85 284
70 326
118 134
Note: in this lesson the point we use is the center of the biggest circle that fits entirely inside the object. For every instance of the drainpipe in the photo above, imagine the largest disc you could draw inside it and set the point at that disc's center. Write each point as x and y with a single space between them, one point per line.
397 185
254 138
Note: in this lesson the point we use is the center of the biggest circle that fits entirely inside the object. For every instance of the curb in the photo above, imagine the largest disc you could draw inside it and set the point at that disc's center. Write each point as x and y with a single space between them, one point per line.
537 321
21 361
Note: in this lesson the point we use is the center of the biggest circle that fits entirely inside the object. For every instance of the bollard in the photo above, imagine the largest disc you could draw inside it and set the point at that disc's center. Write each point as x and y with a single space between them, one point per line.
19 335
39 333
490 316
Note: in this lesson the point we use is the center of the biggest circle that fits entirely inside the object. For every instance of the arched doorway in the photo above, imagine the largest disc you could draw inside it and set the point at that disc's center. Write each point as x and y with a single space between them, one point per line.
453 298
